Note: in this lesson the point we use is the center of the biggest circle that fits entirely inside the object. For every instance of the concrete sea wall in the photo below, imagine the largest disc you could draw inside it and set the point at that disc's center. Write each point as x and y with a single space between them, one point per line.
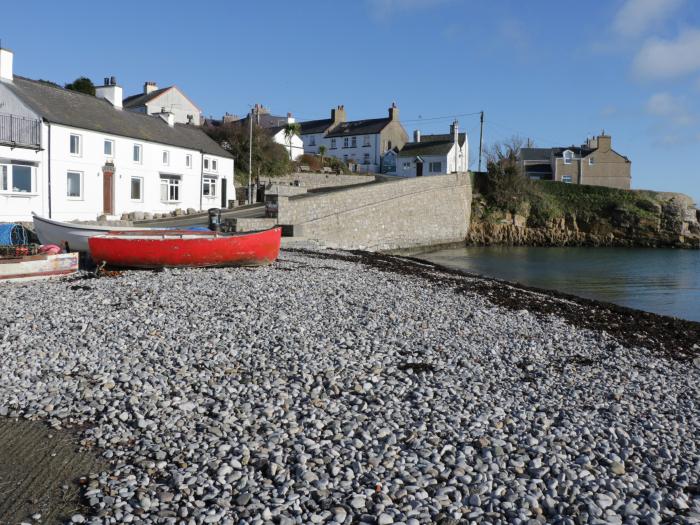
390 215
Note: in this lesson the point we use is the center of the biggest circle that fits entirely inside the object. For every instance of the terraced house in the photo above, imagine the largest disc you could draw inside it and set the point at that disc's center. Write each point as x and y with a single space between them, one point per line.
359 143
594 163
68 155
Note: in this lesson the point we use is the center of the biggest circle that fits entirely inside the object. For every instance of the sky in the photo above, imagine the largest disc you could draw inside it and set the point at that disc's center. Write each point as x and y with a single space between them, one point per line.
555 71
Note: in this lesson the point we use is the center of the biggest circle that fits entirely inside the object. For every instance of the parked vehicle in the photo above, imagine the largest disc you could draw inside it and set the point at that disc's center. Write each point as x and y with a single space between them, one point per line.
181 248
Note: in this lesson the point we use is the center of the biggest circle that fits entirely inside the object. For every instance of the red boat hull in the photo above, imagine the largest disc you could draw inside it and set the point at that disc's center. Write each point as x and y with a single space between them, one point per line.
174 249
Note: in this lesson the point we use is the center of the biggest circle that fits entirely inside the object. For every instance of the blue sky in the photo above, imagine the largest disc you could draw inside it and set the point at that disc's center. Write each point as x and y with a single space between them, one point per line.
555 71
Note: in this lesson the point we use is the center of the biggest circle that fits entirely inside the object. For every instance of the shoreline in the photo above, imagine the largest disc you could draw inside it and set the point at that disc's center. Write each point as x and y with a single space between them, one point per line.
354 387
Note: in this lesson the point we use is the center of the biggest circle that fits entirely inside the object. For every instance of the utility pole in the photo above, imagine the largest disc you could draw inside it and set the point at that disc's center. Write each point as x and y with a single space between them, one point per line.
250 159
481 138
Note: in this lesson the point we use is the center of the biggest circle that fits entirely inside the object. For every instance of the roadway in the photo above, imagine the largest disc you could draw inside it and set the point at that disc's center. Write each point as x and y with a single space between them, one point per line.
249 211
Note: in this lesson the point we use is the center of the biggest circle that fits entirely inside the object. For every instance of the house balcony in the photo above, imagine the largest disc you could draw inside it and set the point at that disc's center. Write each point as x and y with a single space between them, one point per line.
20 132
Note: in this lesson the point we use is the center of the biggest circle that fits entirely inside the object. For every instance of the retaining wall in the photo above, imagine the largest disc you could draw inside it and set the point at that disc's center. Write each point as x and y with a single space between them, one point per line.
398 214
311 181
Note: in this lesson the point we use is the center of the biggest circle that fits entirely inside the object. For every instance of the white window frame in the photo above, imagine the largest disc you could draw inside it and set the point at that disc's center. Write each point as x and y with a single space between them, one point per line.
140 150
209 184
165 158
79 143
591 161
567 179
131 187
366 142
214 165
353 142
188 161
81 177
346 142
433 164
7 179
312 140
206 163
333 144
111 143
170 182
568 156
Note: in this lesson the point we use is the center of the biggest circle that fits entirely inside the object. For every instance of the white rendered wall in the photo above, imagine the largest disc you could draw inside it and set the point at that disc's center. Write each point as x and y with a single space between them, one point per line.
297 146
174 101
357 153
19 206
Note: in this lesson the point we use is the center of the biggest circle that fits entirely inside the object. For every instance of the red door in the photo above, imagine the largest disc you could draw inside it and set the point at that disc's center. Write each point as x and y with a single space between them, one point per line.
108 193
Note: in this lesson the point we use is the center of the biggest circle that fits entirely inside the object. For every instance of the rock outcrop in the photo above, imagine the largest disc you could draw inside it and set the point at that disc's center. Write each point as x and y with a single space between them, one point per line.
670 220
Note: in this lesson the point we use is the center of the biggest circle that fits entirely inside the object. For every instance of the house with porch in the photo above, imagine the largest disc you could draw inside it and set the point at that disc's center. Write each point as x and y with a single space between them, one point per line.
68 155
594 163
431 154
358 143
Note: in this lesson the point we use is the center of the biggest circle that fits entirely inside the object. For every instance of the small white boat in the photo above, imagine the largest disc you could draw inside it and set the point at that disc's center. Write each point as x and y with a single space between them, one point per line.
71 236
31 267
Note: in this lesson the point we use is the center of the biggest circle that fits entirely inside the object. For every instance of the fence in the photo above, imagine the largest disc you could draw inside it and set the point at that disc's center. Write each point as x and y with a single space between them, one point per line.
20 130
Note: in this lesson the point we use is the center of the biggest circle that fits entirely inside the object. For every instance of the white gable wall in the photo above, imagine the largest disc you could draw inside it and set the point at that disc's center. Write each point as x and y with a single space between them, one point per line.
176 102
297 147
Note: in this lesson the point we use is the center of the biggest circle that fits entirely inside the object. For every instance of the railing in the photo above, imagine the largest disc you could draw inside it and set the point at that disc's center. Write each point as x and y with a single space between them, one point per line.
21 131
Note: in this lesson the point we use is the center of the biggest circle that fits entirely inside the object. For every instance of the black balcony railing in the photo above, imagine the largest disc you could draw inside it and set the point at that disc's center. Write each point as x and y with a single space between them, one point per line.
20 131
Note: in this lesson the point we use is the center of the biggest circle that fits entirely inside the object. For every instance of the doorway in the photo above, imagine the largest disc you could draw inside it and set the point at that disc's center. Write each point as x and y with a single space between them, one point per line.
419 168
224 204
108 193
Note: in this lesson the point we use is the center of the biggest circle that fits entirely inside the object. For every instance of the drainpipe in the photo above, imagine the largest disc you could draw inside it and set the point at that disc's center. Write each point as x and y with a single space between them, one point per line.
201 179
48 126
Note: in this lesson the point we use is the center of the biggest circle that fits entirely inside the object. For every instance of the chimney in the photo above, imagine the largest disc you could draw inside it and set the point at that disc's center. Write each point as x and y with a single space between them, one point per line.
394 112
604 142
149 87
454 131
6 64
416 135
110 92
168 117
290 119
338 115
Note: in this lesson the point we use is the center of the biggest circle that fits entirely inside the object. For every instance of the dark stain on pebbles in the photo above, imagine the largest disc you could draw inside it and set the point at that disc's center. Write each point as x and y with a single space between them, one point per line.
672 337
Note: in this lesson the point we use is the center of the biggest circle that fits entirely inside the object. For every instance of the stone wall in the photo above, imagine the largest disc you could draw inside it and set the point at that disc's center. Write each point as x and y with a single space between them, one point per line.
399 214
312 181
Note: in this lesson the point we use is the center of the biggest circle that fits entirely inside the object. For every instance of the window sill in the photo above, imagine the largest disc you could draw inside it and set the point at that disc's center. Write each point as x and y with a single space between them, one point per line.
74 198
18 194
171 202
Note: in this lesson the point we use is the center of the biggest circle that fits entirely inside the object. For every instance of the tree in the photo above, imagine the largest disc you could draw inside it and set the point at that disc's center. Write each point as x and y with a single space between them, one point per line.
291 129
506 153
506 186
322 152
269 158
83 85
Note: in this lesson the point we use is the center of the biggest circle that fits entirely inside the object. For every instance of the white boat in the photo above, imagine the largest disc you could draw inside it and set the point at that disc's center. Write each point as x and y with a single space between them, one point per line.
72 236
30 267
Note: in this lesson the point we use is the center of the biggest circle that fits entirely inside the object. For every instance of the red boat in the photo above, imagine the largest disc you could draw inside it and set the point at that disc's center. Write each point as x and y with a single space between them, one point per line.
181 248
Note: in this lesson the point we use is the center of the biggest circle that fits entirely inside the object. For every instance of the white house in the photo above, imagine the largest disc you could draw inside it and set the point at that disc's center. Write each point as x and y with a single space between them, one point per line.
359 143
432 154
68 155
169 99
294 144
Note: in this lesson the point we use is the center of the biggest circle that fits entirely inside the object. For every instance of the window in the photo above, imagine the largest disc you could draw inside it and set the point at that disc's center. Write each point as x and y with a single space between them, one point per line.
353 142
566 179
568 156
137 153
345 159
214 165
312 140
366 159
75 146
407 165
388 145
137 189
591 161
206 164
74 185
346 141
332 143
109 148
188 161
435 167
169 189
17 178
166 158
366 141
209 187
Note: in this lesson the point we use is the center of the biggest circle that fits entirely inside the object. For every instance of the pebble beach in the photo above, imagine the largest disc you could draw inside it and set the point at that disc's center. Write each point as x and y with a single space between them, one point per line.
336 387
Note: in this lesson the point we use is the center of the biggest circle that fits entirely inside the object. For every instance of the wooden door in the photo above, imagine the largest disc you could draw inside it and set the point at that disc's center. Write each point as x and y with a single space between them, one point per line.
419 169
224 204
108 193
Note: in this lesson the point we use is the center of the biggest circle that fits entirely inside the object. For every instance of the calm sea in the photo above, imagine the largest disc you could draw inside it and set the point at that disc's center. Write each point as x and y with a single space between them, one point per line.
662 281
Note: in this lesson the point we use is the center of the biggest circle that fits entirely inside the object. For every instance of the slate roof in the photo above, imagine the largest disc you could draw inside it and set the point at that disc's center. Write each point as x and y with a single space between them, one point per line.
141 99
432 147
71 108
315 126
580 151
443 138
359 127
535 154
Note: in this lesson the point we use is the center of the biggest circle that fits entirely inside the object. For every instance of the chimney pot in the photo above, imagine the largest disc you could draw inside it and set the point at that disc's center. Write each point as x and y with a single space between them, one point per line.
416 135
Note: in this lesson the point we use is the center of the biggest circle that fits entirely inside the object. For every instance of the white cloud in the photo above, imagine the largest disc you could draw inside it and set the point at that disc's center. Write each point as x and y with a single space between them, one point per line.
670 108
382 9
659 58
636 16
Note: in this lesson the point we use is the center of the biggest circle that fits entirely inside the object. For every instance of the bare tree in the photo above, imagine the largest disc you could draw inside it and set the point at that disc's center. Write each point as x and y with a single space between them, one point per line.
506 187
506 153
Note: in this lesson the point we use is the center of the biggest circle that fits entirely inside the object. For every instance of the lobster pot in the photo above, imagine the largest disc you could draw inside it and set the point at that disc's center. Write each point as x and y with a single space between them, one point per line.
13 234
